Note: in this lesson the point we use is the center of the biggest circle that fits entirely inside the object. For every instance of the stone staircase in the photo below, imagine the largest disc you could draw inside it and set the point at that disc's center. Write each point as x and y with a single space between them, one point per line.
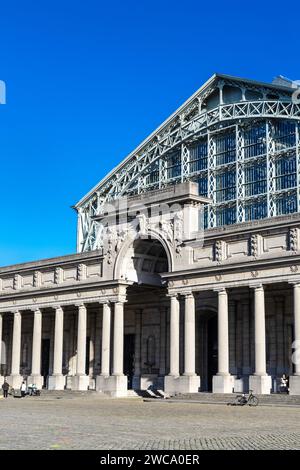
218 398
68 394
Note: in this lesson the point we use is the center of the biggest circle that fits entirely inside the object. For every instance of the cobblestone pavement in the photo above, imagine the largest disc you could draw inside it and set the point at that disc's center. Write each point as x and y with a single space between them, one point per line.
97 423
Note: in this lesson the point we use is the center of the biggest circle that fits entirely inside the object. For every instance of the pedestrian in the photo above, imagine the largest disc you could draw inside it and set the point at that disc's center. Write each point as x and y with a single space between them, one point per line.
284 383
5 388
23 389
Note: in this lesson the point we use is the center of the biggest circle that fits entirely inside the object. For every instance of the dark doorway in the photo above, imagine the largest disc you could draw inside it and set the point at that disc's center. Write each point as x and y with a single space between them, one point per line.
212 350
87 357
129 346
45 360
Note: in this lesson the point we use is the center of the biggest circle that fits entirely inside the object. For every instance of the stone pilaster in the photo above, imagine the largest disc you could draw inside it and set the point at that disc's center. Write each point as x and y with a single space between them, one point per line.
223 382
295 378
57 380
81 380
260 382
15 379
35 376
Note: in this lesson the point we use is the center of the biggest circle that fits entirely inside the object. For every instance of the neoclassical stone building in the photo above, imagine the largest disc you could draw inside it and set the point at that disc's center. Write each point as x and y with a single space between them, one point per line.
187 272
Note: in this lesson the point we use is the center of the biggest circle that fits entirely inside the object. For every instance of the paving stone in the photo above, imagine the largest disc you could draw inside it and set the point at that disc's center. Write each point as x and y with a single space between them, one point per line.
87 422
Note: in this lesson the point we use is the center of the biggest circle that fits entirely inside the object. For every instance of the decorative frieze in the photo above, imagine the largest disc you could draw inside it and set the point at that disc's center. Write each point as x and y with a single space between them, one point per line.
17 282
58 275
220 251
37 279
255 245
81 272
293 239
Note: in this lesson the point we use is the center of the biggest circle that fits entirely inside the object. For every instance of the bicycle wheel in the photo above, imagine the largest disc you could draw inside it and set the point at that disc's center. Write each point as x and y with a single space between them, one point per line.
253 401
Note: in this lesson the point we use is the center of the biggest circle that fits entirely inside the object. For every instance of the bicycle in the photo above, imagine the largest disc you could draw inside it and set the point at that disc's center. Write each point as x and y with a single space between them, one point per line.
243 399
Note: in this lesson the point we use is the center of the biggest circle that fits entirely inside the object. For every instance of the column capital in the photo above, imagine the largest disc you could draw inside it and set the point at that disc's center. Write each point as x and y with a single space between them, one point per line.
80 305
220 290
188 294
295 283
16 312
258 286
172 294
57 307
37 310
119 301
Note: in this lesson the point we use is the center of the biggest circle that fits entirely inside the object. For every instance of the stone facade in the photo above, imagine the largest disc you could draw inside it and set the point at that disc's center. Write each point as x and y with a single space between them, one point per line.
166 308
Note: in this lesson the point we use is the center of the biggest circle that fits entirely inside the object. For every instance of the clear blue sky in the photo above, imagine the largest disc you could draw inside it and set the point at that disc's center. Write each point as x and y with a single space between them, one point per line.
88 80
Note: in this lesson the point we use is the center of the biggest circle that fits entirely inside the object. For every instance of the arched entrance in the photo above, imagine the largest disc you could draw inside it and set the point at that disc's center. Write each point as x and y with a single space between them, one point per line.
145 350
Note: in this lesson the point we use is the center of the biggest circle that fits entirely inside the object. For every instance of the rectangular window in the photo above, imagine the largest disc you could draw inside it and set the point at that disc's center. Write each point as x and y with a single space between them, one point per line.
225 186
286 204
198 157
256 179
255 142
256 210
203 186
226 215
225 148
173 165
285 173
284 135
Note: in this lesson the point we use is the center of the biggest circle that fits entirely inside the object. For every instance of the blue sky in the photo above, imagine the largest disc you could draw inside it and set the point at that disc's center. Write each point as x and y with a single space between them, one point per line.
87 81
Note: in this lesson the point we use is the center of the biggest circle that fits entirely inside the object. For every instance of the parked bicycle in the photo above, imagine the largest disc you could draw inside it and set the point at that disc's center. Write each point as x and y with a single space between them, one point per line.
241 400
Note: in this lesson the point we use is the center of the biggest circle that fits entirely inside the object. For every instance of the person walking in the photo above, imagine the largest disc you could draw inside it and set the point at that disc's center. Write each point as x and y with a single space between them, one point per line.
23 389
5 388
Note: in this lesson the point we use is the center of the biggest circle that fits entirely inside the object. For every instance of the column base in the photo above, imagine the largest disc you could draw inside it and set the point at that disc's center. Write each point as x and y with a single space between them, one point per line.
38 380
223 383
147 381
80 382
15 381
182 384
113 385
56 382
260 384
294 385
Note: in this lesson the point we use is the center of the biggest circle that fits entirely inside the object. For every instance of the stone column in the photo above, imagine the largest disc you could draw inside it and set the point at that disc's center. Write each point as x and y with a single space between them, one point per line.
105 352
162 342
57 380
260 382
2 358
246 339
223 382
119 383
189 382
137 379
15 379
295 378
174 337
118 359
35 376
81 380
172 380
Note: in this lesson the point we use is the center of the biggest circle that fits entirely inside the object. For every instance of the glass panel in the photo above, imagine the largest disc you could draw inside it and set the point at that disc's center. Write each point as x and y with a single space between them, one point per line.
255 141
256 210
173 164
203 186
286 205
198 157
285 171
284 135
225 186
225 149
256 179
226 215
